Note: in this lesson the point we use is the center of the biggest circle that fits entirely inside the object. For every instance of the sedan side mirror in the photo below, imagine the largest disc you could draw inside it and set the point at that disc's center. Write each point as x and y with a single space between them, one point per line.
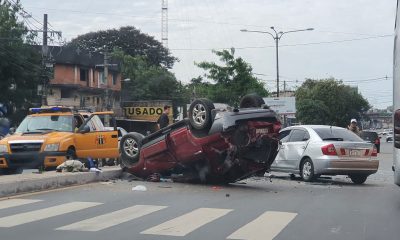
85 129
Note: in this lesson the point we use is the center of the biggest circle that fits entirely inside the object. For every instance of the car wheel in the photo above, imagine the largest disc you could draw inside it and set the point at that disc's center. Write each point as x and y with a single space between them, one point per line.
130 149
251 100
110 161
307 170
71 154
358 179
200 113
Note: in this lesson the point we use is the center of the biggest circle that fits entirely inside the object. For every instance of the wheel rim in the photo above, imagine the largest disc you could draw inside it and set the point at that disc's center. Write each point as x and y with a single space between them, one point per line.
199 114
307 168
131 147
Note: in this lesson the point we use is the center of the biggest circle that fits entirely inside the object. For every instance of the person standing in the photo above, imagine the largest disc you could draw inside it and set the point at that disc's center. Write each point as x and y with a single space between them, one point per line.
353 127
163 120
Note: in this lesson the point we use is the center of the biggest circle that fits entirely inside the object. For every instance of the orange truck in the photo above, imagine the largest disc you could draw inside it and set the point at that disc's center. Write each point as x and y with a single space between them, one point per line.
50 135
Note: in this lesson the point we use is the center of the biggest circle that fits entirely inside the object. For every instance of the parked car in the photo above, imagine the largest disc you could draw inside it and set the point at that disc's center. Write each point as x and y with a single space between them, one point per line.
372 137
210 146
312 151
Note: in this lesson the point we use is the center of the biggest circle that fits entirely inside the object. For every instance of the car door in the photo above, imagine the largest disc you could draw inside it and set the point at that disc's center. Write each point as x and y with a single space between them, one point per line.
94 139
281 158
296 146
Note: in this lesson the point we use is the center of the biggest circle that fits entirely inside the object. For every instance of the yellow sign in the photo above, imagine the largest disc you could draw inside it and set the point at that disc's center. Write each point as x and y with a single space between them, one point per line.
145 113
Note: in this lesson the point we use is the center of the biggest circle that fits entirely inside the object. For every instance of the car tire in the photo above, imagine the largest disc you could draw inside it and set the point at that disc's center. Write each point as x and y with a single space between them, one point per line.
130 145
358 179
307 170
110 162
200 114
251 101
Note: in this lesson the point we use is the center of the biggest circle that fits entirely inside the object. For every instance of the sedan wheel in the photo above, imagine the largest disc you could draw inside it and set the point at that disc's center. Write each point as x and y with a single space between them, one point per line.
307 170
358 179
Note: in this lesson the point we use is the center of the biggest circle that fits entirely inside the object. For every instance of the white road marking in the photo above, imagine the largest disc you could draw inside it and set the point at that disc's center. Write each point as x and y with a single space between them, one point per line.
187 223
36 215
265 227
111 219
16 202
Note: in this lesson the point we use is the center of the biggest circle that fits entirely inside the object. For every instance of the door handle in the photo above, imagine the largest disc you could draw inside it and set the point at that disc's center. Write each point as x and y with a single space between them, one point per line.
114 136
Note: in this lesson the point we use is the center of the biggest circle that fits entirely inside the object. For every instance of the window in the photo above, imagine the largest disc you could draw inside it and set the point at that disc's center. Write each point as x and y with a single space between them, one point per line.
95 124
84 74
67 93
298 136
284 135
102 80
337 134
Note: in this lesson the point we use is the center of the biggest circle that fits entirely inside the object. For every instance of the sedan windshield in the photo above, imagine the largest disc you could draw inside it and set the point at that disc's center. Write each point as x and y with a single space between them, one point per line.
337 134
33 124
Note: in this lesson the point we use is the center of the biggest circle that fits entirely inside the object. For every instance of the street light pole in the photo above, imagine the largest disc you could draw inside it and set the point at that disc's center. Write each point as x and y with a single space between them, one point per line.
277 36
277 64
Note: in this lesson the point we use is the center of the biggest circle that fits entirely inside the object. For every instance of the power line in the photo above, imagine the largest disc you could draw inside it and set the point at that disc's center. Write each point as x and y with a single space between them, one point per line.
287 45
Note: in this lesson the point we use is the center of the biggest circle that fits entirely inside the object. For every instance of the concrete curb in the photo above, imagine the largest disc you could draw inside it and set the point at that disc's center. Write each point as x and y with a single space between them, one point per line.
24 183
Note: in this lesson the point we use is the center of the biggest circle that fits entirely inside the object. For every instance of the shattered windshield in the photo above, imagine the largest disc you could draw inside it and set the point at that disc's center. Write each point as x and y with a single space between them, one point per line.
45 123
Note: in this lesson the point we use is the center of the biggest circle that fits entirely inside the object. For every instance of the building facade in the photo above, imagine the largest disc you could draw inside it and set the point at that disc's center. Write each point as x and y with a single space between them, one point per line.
78 80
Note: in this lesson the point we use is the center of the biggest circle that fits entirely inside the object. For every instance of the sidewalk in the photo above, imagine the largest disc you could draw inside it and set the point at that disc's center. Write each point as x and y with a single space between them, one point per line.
33 182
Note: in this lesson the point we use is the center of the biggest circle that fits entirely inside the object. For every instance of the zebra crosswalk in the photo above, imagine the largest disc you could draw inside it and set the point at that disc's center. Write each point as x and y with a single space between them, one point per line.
266 226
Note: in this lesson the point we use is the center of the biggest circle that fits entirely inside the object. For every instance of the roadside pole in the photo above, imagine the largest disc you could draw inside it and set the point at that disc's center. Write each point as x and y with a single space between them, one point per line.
44 59
107 98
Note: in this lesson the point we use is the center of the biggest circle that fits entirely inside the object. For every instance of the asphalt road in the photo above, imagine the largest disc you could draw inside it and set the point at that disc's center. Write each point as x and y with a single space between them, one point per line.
258 208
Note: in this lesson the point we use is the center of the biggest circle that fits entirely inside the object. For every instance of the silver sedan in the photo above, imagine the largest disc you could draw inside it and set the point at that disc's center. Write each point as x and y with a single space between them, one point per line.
314 150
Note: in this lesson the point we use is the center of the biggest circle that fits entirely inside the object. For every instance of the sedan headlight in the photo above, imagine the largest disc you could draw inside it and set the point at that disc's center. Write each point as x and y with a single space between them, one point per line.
3 148
51 147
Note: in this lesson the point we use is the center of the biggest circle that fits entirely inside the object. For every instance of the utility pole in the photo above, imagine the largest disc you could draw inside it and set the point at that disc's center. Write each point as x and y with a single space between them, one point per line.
44 60
108 107
106 65
45 54
284 86
164 22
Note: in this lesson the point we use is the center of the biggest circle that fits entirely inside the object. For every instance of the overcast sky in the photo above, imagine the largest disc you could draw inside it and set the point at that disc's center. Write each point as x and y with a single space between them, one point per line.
352 40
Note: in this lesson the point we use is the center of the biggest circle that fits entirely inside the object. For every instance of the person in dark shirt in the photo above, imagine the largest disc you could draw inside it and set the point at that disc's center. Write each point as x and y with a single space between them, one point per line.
163 120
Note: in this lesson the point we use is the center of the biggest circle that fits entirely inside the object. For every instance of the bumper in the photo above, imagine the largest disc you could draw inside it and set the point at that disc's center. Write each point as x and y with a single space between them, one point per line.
31 159
345 167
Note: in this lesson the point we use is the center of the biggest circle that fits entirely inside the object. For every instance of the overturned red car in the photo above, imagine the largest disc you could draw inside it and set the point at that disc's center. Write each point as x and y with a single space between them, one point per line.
212 145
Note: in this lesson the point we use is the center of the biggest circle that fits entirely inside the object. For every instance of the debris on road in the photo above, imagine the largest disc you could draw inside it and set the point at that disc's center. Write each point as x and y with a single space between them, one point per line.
140 188
71 166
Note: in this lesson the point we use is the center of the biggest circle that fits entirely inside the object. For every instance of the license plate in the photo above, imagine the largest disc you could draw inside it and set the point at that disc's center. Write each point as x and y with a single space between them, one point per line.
262 131
355 153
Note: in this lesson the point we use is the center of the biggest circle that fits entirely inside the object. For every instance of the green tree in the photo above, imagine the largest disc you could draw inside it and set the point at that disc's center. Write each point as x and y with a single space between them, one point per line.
128 39
20 64
230 81
329 102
